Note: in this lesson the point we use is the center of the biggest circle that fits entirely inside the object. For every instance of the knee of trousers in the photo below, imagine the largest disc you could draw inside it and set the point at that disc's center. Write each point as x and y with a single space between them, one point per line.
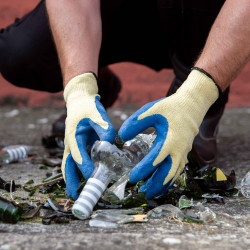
14 55
3 51
11 54
28 55
22 65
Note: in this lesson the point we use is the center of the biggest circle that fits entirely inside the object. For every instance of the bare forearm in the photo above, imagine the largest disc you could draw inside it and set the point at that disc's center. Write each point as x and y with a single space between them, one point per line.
76 28
227 48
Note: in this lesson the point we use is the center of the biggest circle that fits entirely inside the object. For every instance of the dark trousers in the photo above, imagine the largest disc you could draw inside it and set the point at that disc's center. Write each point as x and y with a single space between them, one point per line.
159 34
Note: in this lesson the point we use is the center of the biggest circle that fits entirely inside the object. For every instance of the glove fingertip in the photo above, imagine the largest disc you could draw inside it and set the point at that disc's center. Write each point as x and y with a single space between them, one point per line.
126 133
135 176
88 171
133 126
154 186
72 193
152 192
144 187
86 168
147 188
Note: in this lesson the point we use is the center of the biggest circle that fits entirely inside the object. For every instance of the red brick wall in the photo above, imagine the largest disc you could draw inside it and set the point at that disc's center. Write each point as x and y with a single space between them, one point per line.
140 84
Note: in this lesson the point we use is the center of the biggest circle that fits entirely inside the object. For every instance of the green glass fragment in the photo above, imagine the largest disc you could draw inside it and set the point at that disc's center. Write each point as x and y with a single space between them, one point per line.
184 202
9 212
28 182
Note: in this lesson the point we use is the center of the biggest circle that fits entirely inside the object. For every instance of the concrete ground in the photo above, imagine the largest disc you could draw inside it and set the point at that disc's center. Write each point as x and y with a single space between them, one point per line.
230 230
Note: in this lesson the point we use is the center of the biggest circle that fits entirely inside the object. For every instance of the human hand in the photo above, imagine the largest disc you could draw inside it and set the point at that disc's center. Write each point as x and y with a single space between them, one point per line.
176 119
86 121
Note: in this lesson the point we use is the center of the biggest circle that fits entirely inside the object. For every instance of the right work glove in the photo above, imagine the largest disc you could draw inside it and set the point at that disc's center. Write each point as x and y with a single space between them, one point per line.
176 119
86 121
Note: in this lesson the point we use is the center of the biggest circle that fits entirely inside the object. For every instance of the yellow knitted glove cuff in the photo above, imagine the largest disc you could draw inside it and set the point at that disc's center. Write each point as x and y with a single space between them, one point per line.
199 88
84 85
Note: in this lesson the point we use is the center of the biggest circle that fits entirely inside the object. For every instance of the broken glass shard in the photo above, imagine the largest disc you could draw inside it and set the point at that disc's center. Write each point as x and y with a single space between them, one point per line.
168 210
184 202
245 185
131 211
112 218
115 194
163 211
9 212
101 223
205 213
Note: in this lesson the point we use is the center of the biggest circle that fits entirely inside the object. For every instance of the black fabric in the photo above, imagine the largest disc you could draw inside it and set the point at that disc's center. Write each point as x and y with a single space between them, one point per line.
187 24
28 56
181 72
148 32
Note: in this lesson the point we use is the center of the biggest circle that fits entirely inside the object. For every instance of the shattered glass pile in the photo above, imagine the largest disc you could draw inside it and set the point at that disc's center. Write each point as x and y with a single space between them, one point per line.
121 203
111 164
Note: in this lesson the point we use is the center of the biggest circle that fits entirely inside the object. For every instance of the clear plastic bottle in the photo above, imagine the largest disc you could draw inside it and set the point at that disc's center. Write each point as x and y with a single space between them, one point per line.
245 185
13 153
111 163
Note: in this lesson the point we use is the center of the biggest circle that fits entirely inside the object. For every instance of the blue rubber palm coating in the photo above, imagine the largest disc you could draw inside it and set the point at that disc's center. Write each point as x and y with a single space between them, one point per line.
144 169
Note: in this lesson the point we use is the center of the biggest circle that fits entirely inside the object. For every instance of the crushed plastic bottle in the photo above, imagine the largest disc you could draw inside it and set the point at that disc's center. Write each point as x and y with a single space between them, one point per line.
245 185
13 153
111 163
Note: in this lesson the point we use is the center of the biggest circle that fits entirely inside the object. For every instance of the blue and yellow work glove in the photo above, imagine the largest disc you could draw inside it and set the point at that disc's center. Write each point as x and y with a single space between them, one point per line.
86 121
176 119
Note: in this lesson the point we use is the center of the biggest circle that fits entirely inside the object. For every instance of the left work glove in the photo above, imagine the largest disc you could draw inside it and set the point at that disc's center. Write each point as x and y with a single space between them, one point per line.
176 119
86 121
